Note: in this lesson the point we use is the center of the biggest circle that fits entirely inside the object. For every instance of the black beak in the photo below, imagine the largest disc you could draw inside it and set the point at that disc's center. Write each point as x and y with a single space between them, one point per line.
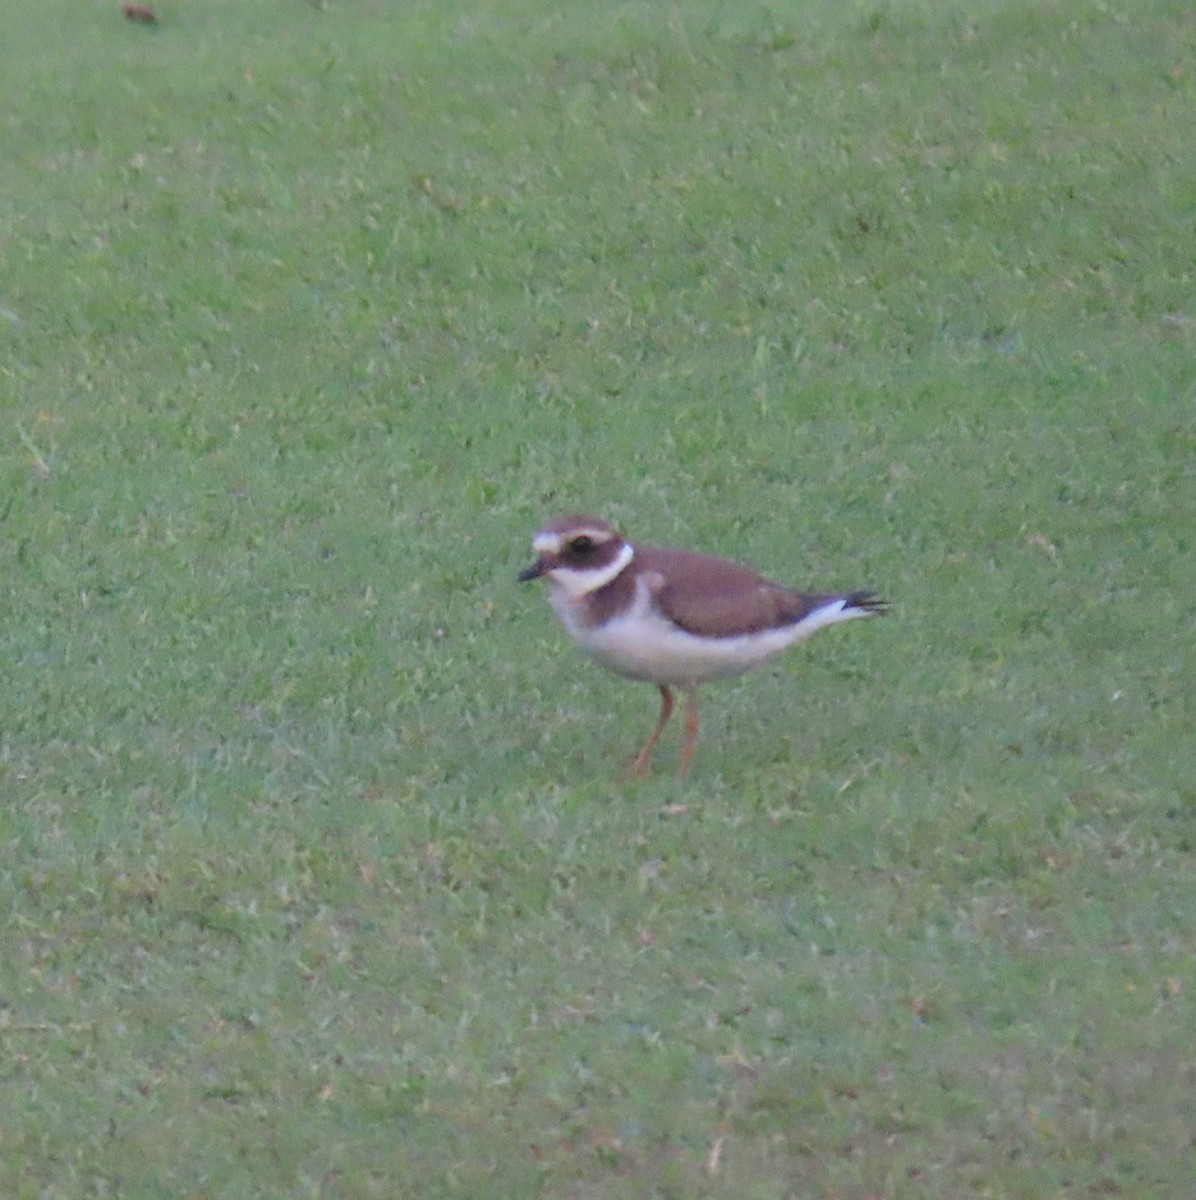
533 572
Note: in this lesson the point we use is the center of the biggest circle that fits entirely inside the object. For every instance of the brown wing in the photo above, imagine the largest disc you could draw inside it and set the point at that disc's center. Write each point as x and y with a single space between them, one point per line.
716 598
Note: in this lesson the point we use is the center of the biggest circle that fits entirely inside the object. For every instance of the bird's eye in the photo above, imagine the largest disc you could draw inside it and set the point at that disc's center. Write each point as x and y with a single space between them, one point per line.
582 545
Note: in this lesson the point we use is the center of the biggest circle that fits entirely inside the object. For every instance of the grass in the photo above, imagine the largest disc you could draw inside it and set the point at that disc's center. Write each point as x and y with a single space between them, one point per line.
319 875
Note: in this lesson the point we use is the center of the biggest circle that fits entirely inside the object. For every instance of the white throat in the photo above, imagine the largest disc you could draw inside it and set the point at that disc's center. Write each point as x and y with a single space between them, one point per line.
576 584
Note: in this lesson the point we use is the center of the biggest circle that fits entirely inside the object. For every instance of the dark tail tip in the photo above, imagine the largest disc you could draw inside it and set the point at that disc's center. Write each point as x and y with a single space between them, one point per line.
867 602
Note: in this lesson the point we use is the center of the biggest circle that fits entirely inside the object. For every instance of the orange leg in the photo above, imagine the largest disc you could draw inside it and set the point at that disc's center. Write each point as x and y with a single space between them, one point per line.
643 759
691 731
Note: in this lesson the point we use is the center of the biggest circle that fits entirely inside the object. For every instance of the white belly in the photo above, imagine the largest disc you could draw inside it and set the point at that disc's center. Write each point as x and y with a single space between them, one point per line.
643 645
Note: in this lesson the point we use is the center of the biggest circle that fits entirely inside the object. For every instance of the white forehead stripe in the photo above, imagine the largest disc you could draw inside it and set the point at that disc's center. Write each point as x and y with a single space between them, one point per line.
578 583
546 542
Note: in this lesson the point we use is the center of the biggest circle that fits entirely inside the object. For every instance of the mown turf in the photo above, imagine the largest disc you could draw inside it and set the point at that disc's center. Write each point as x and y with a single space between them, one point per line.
320 876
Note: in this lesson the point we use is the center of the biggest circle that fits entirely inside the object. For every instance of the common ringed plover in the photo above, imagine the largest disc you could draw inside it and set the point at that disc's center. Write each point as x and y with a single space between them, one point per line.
672 617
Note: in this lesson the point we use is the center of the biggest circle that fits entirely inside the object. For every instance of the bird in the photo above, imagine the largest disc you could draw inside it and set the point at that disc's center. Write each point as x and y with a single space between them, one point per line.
674 618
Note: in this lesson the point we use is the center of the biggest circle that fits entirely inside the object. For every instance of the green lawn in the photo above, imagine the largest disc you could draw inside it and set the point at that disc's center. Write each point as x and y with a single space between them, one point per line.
320 873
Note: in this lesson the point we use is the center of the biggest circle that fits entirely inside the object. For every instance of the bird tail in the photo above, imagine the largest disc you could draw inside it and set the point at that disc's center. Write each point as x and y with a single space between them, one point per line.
830 610
863 604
